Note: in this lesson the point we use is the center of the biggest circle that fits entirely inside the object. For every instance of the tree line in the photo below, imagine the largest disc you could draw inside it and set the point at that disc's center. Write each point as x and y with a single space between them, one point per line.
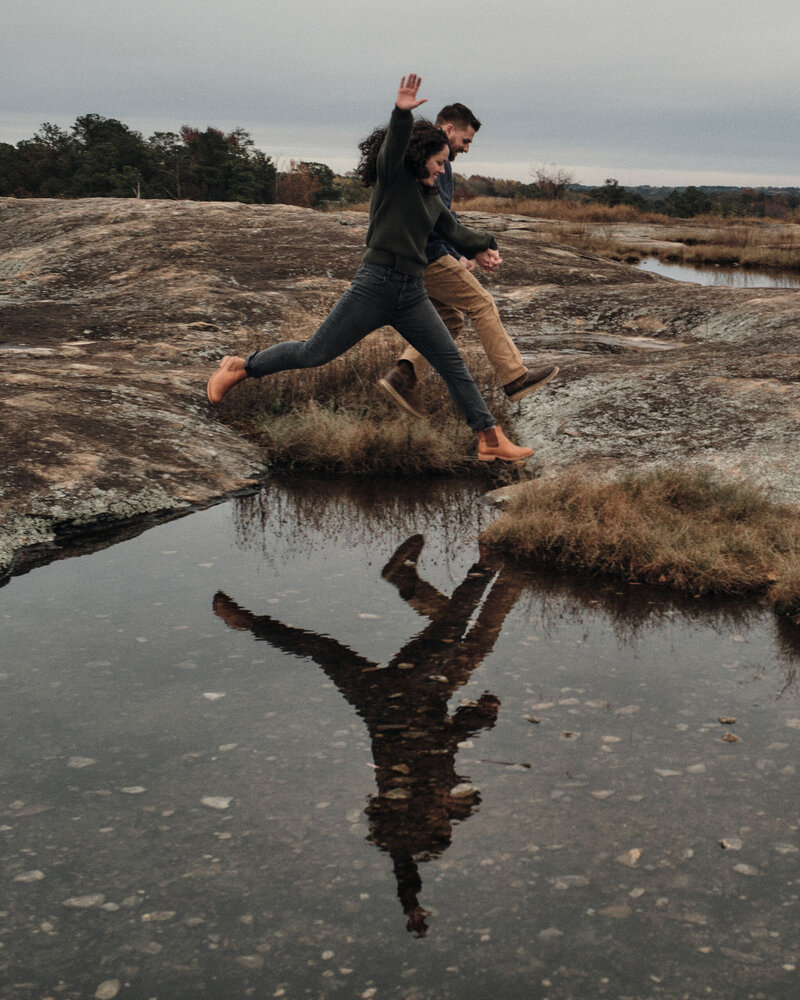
103 157
683 203
690 201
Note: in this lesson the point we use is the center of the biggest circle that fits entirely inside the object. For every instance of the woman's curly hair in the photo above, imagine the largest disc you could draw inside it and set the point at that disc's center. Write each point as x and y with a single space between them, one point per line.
426 139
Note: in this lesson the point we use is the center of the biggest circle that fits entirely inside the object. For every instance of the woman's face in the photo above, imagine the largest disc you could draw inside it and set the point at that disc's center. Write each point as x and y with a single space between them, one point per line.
435 166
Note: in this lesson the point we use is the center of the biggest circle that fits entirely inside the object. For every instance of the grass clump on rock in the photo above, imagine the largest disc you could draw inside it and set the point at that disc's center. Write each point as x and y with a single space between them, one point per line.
689 529
335 419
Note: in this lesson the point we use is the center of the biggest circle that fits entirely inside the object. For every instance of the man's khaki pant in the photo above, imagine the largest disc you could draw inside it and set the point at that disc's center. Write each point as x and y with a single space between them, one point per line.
456 292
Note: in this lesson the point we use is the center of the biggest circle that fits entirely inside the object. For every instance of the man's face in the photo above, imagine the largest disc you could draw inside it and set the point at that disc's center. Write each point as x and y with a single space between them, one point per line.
458 138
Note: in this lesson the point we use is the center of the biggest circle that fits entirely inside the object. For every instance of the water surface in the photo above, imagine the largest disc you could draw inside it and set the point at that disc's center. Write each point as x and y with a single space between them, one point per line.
315 743
731 277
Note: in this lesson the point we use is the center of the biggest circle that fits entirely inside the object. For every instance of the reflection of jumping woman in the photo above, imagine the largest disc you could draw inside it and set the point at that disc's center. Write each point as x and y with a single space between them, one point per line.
401 165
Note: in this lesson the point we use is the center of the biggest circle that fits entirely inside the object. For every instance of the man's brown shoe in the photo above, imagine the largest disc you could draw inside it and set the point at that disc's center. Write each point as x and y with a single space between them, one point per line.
400 385
529 381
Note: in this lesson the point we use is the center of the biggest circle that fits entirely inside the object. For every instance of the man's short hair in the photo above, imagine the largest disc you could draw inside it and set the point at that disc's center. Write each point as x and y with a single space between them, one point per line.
458 115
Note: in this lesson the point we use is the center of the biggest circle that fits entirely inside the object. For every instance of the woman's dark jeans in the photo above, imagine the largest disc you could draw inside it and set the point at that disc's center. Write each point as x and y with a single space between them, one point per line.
380 296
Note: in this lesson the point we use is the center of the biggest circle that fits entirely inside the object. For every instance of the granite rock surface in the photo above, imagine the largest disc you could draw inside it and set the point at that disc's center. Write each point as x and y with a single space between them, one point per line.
113 313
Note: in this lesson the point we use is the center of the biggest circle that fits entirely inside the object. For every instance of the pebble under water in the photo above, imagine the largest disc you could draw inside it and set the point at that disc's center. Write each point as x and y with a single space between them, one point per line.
316 743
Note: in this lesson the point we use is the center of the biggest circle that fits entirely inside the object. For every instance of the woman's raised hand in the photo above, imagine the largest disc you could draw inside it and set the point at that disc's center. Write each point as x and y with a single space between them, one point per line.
407 94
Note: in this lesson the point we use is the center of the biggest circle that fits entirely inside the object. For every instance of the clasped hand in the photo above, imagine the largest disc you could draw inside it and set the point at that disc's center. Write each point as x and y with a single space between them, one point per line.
489 260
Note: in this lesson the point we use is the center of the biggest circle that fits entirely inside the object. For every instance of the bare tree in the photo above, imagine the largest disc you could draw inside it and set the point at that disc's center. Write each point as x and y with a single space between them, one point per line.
552 180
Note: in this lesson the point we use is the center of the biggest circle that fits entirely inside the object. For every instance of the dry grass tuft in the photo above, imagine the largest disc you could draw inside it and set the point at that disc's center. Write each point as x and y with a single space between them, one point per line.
318 438
754 244
688 529
558 208
335 419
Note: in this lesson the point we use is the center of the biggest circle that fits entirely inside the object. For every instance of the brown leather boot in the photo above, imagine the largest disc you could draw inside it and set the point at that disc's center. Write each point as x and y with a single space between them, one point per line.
400 385
231 370
529 381
493 444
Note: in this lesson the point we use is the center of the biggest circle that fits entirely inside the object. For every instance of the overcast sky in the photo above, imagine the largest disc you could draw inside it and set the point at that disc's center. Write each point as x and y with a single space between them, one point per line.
677 92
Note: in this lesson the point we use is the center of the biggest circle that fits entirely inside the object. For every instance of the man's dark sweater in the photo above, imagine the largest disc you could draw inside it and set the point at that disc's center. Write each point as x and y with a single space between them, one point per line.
403 212
436 247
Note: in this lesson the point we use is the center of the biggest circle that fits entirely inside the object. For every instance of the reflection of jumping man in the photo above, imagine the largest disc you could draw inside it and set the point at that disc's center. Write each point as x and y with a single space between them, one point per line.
405 706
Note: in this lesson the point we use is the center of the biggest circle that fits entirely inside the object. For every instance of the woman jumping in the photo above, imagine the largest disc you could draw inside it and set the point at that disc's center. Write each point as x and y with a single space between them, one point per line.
401 164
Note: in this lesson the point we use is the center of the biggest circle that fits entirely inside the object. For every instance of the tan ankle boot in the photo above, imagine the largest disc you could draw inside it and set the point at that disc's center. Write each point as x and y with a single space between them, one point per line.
231 370
493 444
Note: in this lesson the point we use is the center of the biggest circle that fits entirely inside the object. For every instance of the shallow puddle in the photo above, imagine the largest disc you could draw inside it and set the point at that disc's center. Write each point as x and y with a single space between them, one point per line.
314 743
730 277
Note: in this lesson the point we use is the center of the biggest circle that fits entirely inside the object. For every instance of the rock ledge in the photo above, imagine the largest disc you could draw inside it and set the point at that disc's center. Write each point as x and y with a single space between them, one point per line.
114 312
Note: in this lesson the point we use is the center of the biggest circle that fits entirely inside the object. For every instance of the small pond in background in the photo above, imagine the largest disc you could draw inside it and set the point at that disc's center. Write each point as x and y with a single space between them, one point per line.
731 277
315 743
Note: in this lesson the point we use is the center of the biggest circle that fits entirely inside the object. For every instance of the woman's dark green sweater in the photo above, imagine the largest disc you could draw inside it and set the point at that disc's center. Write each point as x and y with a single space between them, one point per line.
403 213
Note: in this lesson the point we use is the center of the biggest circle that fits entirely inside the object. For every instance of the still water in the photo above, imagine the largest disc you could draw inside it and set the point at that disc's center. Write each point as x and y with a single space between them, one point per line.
315 743
731 277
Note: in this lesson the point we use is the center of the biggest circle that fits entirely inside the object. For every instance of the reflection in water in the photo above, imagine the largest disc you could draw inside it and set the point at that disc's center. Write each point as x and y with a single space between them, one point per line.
405 705
132 715
632 610
788 651
358 512
730 277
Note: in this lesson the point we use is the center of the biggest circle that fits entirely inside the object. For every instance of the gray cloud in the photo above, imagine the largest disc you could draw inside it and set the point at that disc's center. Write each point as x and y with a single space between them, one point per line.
685 85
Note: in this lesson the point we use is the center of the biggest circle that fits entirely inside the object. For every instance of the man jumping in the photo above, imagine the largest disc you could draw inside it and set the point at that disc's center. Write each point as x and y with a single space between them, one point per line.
456 292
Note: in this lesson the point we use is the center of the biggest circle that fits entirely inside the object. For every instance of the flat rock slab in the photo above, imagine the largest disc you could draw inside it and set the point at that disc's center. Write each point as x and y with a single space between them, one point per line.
114 312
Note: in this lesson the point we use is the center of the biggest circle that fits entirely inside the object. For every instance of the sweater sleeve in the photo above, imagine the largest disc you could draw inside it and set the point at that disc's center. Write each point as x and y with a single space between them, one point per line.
391 156
468 242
